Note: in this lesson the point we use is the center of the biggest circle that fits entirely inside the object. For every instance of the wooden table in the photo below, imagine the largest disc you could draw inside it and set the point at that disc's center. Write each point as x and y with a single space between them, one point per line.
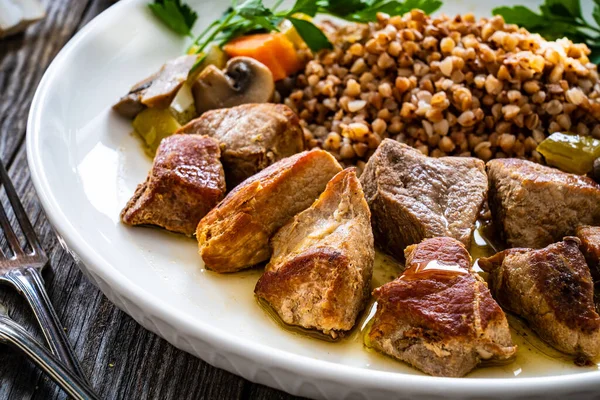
122 359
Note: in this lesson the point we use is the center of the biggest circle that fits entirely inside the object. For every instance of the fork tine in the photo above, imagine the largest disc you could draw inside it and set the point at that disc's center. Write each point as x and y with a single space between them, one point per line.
12 239
19 211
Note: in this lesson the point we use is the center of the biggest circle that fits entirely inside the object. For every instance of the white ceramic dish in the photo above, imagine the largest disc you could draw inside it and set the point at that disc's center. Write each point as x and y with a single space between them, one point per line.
85 165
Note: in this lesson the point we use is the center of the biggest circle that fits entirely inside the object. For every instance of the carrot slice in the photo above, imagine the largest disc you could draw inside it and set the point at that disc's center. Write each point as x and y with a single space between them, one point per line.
274 50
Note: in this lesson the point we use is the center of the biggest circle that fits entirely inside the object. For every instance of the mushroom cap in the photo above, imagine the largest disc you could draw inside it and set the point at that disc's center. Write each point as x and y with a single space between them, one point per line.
244 80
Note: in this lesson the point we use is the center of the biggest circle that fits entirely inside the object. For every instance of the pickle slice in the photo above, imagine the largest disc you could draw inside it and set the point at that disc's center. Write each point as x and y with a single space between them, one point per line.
570 153
153 125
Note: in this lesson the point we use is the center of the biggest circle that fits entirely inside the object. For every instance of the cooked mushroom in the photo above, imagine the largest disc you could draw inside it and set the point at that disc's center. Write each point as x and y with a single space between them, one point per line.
244 80
130 105
167 83
158 90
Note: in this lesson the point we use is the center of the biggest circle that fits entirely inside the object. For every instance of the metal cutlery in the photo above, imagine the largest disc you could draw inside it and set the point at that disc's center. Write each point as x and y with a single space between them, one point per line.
22 269
13 334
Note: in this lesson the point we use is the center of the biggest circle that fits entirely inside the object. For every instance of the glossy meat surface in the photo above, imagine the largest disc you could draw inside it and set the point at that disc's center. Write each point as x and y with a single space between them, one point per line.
320 273
236 234
552 289
534 205
439 316
413 197
186 181
252 137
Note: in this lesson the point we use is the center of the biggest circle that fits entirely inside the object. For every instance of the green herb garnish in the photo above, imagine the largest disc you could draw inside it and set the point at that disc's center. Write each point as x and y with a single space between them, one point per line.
312 35
557 19
366 11
177 16
253 16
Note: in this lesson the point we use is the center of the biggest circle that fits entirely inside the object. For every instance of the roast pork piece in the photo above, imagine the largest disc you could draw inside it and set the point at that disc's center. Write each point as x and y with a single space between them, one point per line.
590 247
236 234
320 273
439 316
185 182
534 205
552 289
413 197
252 137
158 90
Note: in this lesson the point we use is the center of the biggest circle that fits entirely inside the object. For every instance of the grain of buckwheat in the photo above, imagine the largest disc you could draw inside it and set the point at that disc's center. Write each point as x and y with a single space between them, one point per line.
446 86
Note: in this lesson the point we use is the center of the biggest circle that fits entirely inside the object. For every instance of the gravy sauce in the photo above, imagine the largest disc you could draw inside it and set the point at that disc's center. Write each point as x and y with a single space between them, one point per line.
534 357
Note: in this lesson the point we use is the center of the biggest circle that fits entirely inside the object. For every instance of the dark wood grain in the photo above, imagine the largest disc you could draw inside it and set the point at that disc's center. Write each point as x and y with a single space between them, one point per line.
123 360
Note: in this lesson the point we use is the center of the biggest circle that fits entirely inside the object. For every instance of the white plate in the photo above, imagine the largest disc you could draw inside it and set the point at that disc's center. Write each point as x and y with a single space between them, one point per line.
85 165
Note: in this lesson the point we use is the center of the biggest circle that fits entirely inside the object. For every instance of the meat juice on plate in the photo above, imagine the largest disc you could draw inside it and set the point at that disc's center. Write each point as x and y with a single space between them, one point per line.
534 356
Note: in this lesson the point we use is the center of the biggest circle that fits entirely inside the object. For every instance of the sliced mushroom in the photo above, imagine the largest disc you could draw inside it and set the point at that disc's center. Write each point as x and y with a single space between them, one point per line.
158 90
165 86
131 105
244 80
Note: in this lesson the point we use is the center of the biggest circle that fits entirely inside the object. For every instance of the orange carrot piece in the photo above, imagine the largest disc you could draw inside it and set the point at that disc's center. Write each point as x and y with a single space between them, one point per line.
274 50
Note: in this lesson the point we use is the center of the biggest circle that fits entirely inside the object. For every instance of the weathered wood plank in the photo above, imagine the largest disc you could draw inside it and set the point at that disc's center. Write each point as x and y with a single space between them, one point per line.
23 60
124 360
260 392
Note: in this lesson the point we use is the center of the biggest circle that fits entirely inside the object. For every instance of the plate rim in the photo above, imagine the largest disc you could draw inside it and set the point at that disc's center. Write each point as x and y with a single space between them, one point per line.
223 341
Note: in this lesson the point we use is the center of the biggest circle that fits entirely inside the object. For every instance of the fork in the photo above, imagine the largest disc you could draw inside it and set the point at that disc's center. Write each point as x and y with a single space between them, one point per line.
23 271
13 334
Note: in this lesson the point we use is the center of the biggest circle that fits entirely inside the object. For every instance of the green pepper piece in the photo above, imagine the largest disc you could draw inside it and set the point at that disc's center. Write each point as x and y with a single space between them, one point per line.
570 153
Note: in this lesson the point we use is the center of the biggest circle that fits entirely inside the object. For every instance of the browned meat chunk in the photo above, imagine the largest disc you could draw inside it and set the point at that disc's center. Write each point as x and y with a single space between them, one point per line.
439 316
590 246
236 234
534 205
413 197
158 90
186 181
320 273
252 137
552 289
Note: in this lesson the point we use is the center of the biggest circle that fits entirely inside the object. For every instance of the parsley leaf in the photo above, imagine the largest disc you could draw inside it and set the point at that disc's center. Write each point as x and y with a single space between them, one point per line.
308 7
268 24
253 8
596 13
521 16
177 16
341 7
595 56
314 38
557 19
428 6
569 8
252 16
366 10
